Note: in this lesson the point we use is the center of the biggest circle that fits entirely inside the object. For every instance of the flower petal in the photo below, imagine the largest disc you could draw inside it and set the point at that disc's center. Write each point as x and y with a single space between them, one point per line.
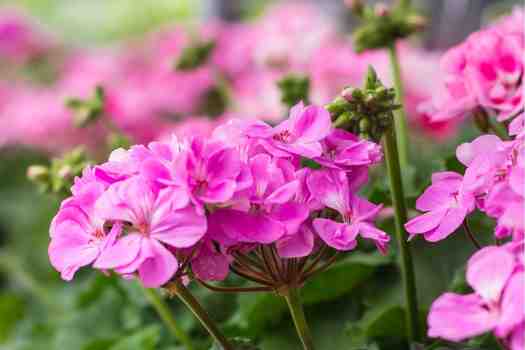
157 270
337 235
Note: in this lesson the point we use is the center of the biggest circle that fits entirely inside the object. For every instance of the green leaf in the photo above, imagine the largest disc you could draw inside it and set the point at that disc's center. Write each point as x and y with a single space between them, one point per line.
342 277
100 344
11 311
294 89
453 164
310 163
145 339
194 56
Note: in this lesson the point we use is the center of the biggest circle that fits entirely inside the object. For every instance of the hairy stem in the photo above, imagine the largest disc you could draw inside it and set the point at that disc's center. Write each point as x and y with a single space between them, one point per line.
178 289
407 267
400 119
167 317
296 310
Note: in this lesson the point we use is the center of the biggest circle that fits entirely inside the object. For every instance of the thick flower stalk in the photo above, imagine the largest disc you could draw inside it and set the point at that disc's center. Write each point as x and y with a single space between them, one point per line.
369 112
273 205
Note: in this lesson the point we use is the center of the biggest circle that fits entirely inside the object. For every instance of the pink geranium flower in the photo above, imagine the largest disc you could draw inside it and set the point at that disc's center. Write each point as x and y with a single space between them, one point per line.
264 212
300 134
156 221
333 190
446 205
495 305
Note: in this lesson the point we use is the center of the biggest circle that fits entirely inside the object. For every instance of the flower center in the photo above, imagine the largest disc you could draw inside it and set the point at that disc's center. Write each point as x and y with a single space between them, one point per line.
284 136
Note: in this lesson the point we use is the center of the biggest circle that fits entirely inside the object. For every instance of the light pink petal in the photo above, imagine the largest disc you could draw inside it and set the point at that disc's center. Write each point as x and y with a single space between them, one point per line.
157 270
488 271
296 245
453 219
425 222
330 188
457 317
284 193
363 210
68 253
337 235
435 197
483 145
123 252
512 305
154 170
180 228
260 166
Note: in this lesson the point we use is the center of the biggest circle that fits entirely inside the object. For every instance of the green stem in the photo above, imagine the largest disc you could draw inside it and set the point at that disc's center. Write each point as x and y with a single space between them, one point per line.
167 317
296 310
407 267
498 129
178 289
400 119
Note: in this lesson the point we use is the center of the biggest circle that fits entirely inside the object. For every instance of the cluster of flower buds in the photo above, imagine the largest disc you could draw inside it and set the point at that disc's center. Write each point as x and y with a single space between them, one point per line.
367 112
241 200
383 25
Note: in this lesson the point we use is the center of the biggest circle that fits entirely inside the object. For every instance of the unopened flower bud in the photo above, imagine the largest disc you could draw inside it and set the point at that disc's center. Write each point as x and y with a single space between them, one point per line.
38 173
356 6
347 93
381 10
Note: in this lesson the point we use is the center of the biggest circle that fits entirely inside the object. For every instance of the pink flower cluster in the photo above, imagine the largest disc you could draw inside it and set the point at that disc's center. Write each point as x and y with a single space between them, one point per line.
483 72
494 182
147 99
496 275
154 210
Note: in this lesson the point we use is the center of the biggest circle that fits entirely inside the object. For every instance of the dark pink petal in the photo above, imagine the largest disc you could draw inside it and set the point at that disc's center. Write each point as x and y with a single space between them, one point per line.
517 338
158 269
379 237
313 124
488 271
223 164
251 228
457 317
296 245
123 252
337 235
210 265
512 305
291 215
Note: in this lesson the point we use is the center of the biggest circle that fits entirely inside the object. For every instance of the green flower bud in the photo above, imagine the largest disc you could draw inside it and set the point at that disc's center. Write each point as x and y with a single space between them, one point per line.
194 56
294 89
86 112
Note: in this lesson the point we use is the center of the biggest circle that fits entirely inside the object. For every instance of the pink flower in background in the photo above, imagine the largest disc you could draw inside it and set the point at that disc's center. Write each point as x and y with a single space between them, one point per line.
20 38
332 189
496 276
156 221
446 204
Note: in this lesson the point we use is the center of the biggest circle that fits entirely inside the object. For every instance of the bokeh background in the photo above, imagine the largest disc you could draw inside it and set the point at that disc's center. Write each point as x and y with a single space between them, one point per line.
75 43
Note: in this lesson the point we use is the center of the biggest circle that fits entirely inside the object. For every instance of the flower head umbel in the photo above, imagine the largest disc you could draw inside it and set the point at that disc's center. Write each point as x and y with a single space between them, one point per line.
201 207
